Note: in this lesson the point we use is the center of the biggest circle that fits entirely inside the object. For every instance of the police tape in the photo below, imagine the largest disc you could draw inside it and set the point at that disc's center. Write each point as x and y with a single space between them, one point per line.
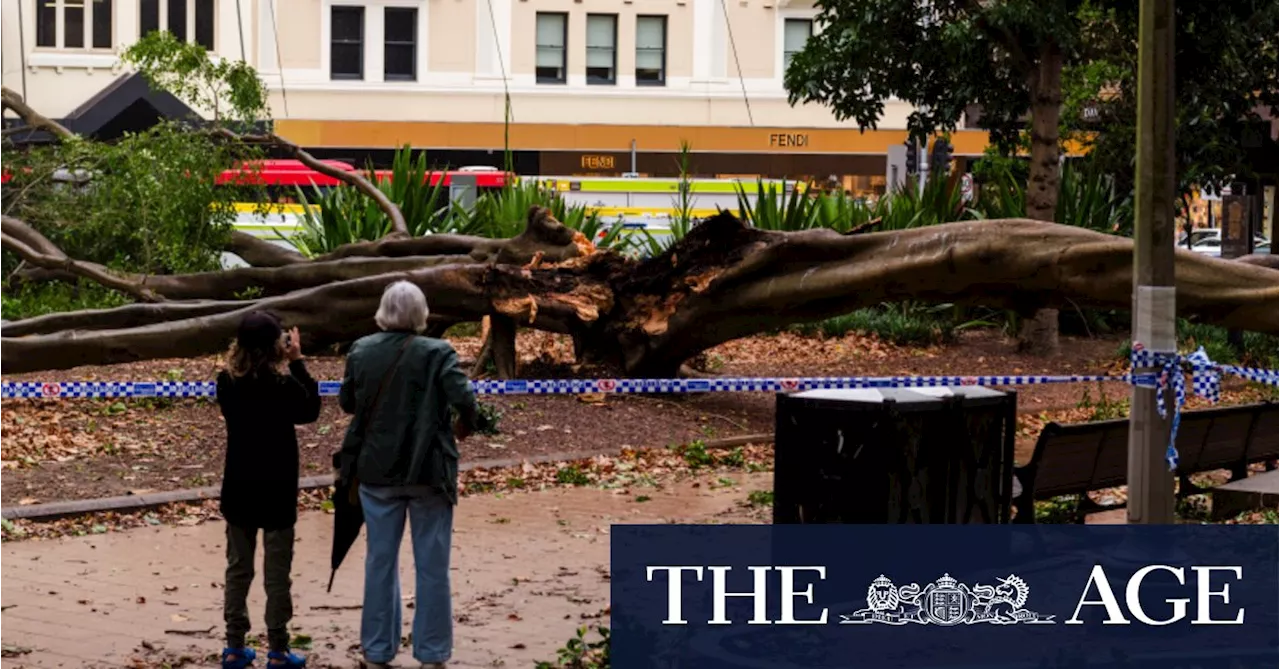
192 389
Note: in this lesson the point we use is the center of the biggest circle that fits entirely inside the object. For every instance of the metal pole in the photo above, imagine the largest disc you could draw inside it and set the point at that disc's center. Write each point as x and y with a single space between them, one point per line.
924 165
3 125
1151 499
22 50
633 157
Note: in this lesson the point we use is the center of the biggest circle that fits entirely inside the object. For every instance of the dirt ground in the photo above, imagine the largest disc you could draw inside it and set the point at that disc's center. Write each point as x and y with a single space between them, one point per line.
55 450
527 570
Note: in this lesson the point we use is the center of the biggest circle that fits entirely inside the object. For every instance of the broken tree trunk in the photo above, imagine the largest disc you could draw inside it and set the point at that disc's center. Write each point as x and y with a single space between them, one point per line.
724 280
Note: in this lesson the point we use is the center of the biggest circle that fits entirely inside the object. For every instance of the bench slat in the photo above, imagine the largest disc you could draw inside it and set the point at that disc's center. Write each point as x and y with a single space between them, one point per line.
1075 459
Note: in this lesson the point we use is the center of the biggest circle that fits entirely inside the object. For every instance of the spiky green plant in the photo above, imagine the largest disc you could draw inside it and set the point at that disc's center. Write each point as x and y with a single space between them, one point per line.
343 215
681 221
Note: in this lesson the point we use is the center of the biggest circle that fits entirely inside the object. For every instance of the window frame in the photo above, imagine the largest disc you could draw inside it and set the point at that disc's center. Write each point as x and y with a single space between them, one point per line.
89 18
613 70
412 45
662 76
812 23
190 23
364 25
564 50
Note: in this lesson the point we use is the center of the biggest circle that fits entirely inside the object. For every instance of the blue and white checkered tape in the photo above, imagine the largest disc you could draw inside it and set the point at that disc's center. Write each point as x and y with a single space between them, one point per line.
1206 382
114 389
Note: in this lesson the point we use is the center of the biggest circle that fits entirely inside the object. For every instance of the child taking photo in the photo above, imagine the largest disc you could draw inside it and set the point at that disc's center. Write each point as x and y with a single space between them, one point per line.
261 405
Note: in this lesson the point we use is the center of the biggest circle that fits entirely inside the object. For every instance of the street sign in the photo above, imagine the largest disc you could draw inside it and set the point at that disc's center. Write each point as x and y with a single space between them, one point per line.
1237 228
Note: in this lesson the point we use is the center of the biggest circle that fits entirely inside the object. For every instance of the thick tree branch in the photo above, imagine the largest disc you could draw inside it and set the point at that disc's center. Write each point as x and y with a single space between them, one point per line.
271 281
128 316
261 253
777 279
34 120
326 315
398 225
545 238
61 262
542 234
724 280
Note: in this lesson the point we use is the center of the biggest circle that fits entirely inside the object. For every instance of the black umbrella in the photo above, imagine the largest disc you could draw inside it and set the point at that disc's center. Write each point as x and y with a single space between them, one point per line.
348 518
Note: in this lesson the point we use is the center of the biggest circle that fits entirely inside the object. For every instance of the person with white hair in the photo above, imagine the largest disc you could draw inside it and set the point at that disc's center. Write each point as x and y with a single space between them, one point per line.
401 451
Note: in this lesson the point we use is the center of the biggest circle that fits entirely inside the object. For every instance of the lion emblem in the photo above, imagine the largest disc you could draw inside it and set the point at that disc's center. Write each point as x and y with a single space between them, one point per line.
882 596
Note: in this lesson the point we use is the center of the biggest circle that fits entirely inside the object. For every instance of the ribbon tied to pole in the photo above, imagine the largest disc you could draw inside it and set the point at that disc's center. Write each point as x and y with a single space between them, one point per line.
1206 381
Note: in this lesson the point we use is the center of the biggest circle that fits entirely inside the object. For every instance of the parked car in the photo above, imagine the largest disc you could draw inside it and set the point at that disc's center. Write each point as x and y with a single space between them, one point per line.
1211 244
1198 235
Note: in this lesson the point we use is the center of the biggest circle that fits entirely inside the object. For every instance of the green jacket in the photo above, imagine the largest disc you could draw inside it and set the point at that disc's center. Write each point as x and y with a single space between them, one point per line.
410 439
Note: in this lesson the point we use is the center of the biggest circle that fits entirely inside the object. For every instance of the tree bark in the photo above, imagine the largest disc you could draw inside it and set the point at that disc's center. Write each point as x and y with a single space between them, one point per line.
354 179
34 120
261 253
544 238
119 318
60 262
502 343
1039 333
723 281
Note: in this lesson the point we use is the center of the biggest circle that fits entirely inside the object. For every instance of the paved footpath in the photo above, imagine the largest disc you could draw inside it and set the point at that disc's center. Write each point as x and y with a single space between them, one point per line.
528 569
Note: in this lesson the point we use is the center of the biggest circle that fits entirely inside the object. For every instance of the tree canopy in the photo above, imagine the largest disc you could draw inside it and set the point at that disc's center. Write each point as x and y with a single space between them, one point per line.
943 57
1010 57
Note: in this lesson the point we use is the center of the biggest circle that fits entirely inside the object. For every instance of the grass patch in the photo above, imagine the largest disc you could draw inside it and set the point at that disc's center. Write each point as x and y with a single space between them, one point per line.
1103 408
582 652
572 475
461 330
760 498
904 324
1059 510
696 455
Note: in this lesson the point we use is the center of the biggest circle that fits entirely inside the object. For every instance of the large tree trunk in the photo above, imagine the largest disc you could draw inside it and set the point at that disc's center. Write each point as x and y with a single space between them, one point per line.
1039 333
724 280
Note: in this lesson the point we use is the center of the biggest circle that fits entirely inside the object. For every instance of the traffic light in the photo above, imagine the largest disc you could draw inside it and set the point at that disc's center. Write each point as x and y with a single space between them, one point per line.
913 158
942 151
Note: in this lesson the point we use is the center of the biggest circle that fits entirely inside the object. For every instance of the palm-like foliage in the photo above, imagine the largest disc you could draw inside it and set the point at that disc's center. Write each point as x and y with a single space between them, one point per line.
1087 198
343 215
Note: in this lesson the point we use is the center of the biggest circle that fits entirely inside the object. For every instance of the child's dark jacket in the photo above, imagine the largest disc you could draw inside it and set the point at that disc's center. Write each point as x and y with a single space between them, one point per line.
260 481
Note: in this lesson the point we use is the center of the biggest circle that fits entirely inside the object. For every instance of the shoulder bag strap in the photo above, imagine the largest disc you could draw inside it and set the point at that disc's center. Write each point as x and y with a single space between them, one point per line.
377 397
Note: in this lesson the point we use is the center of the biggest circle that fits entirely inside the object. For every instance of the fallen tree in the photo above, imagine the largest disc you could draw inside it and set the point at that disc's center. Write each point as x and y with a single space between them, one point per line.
724 280
645 318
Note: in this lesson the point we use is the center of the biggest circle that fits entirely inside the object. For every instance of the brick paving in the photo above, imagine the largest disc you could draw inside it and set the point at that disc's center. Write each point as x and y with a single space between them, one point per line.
528 569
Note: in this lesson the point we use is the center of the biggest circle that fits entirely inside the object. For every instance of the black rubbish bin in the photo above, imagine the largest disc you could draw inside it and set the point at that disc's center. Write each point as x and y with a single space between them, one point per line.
891 455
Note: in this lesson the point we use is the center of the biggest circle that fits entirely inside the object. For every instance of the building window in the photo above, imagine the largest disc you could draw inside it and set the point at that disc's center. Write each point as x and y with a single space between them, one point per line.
187 20
346 45
602 48
82 22
102 24
400 45
651 50
795 32
552 34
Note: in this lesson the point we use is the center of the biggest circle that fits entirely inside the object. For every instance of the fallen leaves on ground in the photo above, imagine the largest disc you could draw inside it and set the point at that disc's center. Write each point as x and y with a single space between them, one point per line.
792 349
642 468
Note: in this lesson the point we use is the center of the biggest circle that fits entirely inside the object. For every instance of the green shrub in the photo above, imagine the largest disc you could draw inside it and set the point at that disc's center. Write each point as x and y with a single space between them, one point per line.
580 653
30 300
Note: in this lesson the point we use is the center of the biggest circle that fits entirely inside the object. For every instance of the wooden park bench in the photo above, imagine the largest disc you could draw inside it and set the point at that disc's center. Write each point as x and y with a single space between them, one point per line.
1077 459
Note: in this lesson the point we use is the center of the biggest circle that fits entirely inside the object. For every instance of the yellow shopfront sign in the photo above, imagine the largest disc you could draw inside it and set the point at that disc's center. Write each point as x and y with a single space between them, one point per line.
595 140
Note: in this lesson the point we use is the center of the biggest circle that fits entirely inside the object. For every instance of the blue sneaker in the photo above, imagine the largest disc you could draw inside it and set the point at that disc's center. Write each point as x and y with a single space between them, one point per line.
237 658
286 659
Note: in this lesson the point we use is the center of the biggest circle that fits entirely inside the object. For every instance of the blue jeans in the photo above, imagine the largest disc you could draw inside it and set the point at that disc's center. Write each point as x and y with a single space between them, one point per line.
431 529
